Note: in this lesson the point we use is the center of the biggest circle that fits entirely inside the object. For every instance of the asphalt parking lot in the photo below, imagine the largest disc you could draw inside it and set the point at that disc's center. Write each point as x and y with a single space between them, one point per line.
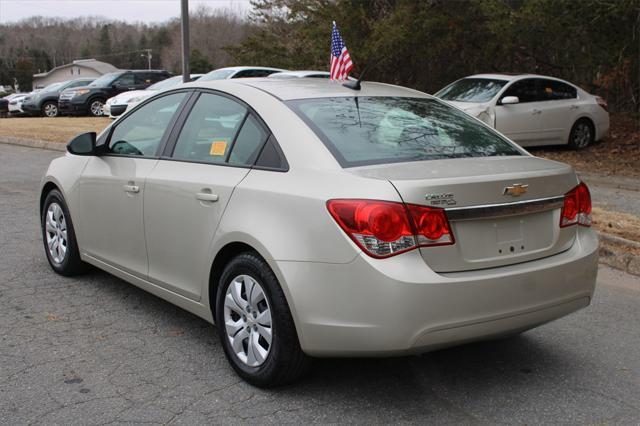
96 350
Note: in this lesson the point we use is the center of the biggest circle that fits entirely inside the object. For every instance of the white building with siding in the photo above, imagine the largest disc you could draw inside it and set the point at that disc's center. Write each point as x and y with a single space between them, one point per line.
78 68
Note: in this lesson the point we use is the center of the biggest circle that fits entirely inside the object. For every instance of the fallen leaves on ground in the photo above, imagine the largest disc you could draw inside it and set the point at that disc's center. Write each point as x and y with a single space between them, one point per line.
617 154
620 224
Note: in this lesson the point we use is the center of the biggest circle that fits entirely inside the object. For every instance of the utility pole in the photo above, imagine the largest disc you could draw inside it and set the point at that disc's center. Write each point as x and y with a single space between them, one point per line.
186 74
149 56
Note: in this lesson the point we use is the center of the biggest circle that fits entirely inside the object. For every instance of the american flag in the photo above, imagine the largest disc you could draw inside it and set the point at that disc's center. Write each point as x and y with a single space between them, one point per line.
341 64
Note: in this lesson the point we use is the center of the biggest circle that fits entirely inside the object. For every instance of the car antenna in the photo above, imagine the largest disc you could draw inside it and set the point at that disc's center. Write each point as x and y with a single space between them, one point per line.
355 85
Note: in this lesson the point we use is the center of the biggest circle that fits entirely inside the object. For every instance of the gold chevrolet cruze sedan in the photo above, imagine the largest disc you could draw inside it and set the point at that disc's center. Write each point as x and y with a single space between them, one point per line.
309 219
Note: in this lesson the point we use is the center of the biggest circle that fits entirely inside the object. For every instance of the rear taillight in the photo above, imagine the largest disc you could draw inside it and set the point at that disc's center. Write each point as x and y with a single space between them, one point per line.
385 228
602 103
577 207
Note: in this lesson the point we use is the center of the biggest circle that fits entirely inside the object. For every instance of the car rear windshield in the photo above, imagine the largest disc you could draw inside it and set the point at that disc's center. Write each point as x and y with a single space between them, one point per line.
378 130
472 90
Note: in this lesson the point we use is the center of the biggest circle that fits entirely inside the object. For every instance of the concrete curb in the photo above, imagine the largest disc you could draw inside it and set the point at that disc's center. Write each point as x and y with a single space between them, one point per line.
53 146
618 255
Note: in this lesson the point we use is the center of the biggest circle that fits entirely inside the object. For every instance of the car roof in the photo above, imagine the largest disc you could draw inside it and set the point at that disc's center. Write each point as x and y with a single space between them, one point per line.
307 88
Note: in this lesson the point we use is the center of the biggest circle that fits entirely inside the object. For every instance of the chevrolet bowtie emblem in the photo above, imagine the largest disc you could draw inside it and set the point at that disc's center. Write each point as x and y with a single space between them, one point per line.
515 190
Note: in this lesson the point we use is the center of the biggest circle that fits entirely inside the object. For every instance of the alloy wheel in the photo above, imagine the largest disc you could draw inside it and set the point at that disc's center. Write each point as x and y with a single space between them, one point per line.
97 108
56 232
247 320
581 135
50 110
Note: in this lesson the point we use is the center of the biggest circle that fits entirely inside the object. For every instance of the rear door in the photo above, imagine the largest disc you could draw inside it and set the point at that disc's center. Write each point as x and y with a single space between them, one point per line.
559 111
188 191
112 185
521 122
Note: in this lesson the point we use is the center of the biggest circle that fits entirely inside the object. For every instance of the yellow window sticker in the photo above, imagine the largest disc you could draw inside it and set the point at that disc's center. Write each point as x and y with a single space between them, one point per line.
548 90
218 148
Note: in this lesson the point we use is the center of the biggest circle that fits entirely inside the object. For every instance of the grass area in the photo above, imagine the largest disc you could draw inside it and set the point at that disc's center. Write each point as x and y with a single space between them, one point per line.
618 154
58 129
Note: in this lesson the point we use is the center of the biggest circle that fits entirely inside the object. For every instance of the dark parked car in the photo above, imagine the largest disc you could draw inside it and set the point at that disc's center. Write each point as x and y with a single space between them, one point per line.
4 107
90 99
45 101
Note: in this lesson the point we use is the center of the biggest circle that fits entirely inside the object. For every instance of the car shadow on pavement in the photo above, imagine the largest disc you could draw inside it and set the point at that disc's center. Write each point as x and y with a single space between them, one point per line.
514 365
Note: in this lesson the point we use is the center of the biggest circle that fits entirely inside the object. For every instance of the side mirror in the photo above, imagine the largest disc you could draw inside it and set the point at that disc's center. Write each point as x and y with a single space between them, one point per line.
83 144
510 100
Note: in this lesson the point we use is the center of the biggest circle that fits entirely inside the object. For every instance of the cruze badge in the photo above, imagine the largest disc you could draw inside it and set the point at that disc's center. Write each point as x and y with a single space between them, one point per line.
515 190
445 199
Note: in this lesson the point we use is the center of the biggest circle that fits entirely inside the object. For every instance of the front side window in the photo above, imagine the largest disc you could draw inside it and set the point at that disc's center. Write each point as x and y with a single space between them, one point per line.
525 90
125 80
379 130
140 133
208 133
472 90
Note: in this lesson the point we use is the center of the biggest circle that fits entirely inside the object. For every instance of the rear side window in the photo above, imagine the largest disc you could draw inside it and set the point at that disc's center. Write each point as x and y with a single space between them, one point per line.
525 90
379 130
553 90
248 143
210 129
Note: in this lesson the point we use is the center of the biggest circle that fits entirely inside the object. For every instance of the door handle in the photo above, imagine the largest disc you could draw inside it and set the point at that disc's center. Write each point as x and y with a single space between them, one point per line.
132 188
574 107
536 111
207 196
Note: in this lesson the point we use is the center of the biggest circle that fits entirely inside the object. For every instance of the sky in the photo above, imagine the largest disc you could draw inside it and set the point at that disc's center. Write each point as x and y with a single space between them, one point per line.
147 11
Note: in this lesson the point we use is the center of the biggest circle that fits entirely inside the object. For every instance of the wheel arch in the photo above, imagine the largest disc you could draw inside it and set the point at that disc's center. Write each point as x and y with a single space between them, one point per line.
46 188
223 256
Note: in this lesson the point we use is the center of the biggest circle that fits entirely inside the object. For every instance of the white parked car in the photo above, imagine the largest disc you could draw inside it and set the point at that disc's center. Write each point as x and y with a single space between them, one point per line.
15 103
301 74
306 218
118 104
532 109
239 72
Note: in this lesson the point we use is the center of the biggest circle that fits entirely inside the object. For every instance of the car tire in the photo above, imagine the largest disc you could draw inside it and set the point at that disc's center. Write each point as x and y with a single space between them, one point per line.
96 107
50 109
582 134
284 361
59 238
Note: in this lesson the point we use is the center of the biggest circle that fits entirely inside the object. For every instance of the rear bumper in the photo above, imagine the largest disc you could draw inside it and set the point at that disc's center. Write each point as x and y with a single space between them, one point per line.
602 125
372 307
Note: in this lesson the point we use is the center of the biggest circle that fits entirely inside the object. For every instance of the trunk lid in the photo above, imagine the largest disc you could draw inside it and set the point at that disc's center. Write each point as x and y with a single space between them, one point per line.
491 227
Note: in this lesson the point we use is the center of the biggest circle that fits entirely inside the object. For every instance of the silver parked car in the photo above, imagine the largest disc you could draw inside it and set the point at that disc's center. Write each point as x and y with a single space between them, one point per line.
308 219
532 109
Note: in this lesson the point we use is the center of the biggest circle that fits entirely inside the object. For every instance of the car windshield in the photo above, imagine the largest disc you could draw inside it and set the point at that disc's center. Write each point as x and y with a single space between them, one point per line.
53 86
378 130
472 90
217 75
166 84
105 80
